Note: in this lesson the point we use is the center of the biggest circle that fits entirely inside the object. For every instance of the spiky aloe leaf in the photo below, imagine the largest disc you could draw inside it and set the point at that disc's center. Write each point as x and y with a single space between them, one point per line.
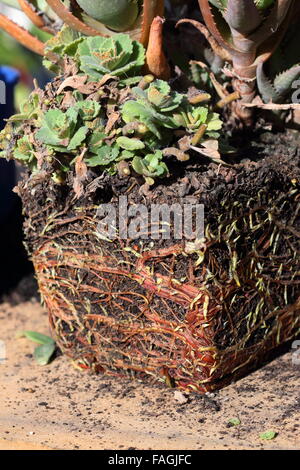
118 15
221 4
265 87
283 82
243 16
261 4
118 56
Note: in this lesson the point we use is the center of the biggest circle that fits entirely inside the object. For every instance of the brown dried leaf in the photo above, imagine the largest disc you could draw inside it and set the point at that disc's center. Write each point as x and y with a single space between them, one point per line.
112 119
76 82
68 100
80 175
210 148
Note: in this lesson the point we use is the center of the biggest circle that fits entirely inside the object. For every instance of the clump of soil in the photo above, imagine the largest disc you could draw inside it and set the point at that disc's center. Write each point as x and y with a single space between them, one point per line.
150 309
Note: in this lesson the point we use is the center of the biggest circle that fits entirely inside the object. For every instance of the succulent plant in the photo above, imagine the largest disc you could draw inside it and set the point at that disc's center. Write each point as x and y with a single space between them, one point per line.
91 18
245 33
118 56
151 166
117 127
275 92
159 108
25 153
62 132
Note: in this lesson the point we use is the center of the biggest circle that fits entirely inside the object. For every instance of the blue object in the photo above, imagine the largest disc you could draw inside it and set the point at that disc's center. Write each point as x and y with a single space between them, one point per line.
8 79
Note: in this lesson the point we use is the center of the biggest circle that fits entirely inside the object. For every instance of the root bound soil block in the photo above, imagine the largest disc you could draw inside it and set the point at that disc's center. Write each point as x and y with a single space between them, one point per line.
155 310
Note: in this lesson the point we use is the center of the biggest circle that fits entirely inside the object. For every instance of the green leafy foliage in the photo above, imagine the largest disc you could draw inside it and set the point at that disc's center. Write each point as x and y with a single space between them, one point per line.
118 56
114 125
24 151
151 166
30 109
159 108
104 155
35 336
61 131
64 43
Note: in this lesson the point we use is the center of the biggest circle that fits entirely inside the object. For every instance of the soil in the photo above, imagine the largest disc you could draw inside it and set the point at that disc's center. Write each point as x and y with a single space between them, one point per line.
59 407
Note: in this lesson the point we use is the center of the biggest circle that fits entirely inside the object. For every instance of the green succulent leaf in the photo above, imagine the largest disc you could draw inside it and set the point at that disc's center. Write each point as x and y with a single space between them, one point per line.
263 4
42 354
260 4
96 140
151 165
36 337
265 87
127 143
221 4
105 156
30 109
78 138
118 15
118 56
64 43
214 122
191 117
160 95
88 110
284 81
24 151
126 155
135 111
60 130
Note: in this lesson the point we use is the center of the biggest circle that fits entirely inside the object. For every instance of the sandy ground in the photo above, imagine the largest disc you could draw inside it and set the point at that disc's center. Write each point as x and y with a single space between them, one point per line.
59 407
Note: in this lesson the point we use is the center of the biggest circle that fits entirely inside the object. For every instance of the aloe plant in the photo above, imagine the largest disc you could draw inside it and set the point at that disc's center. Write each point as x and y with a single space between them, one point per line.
246 33
277 90
120 15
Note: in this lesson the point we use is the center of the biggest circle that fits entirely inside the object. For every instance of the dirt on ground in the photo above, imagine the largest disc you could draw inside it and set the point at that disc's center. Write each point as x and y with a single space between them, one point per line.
59 407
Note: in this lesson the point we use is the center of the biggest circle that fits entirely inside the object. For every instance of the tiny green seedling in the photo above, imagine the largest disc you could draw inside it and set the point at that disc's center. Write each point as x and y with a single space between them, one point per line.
268 435
234 422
